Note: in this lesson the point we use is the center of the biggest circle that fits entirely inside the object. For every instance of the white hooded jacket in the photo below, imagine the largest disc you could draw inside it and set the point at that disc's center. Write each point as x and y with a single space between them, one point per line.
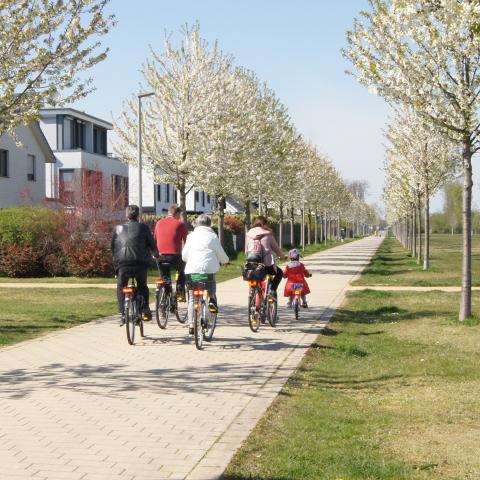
203 252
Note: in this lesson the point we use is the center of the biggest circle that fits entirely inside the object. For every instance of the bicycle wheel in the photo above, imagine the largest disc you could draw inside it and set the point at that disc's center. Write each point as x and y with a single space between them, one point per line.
161 310
181 310
197 329
253 313
272 312
209 323
130 320
296 307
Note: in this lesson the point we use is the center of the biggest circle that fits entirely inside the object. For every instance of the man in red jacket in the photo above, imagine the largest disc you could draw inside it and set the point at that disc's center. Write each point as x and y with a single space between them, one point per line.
170 235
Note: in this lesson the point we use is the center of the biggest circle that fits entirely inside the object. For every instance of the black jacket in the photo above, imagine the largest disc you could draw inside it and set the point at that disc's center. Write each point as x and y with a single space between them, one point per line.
132 245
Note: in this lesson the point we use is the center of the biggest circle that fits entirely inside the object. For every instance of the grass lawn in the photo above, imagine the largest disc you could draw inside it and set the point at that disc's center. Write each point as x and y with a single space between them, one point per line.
26 313
388 392
29 313
392 264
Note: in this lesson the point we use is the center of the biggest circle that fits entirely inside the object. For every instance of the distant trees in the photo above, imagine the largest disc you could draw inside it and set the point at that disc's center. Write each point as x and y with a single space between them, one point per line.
44 46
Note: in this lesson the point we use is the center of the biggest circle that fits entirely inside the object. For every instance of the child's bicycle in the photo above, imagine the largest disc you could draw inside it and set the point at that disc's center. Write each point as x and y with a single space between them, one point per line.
297 289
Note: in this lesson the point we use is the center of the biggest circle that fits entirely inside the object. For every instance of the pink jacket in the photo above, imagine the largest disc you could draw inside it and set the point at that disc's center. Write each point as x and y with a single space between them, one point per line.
269 244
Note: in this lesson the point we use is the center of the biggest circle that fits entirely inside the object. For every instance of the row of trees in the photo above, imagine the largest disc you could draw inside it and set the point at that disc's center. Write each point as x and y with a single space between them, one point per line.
214 126
423 58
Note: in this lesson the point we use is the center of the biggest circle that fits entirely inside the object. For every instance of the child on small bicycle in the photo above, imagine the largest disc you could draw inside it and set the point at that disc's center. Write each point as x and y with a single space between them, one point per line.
295 273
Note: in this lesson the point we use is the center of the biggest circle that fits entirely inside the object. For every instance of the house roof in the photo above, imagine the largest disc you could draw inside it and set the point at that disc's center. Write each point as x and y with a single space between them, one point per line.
42 142
47 112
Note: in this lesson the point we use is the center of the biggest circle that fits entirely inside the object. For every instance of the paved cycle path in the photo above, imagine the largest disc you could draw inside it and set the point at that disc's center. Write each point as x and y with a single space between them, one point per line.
82 404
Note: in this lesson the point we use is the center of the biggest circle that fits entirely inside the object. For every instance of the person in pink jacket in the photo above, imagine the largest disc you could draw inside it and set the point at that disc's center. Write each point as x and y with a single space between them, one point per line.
261 247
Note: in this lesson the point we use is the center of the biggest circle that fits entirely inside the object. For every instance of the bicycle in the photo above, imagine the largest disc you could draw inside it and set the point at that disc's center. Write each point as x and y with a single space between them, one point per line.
166 301
204 321
297 289
134 303
262 303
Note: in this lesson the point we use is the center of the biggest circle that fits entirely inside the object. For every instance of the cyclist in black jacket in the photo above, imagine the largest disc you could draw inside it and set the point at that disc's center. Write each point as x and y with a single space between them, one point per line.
132 248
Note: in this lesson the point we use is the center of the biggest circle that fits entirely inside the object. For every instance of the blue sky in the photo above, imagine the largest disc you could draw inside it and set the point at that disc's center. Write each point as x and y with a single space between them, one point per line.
292 45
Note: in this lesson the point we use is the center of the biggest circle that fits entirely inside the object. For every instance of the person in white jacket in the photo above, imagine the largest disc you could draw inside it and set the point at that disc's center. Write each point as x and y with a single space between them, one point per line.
203 254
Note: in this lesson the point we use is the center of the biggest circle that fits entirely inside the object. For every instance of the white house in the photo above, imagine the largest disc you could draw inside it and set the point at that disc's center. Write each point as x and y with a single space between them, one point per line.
23 164
79 142
157 197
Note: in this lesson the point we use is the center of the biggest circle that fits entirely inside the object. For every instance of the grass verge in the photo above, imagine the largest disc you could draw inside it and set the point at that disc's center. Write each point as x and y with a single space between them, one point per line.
389 392
29 313
392 264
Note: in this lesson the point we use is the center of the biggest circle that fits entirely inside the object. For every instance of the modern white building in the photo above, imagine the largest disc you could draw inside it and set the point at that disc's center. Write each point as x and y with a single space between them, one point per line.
23 164
79 142
157 197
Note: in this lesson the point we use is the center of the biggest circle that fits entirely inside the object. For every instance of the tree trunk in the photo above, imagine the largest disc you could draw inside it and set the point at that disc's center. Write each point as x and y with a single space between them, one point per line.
182 190
466 297
414 231
292 227
302 235
419 258
325 230
280 225
309 227
221 219
426 208
316 226
248 215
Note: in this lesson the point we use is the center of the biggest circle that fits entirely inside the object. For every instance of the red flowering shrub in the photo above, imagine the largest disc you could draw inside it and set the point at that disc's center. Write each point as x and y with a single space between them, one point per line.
234 225
19 261
89 258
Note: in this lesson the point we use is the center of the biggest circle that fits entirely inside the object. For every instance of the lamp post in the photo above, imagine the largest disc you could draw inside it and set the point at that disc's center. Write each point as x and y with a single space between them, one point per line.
140 200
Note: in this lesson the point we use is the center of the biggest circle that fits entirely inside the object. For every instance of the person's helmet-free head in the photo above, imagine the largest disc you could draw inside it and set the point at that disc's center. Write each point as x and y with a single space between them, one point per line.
132 212
293 254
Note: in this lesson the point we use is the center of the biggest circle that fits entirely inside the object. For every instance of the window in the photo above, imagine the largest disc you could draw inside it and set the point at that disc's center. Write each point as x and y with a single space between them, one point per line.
119 192
167 193
159 192
92 188
208 198
4 163
175 196
67 185
77 135
31 168
203 199
197 196
99 140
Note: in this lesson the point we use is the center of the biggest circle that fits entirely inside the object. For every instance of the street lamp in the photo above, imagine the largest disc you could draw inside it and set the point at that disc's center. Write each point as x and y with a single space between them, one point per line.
140 200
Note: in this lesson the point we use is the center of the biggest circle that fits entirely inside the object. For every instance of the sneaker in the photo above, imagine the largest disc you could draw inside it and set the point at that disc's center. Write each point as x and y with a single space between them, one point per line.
147 314
212 306
305 305
122 320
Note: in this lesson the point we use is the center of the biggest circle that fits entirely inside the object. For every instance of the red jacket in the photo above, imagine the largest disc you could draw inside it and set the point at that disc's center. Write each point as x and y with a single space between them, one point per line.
170 235
295 272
